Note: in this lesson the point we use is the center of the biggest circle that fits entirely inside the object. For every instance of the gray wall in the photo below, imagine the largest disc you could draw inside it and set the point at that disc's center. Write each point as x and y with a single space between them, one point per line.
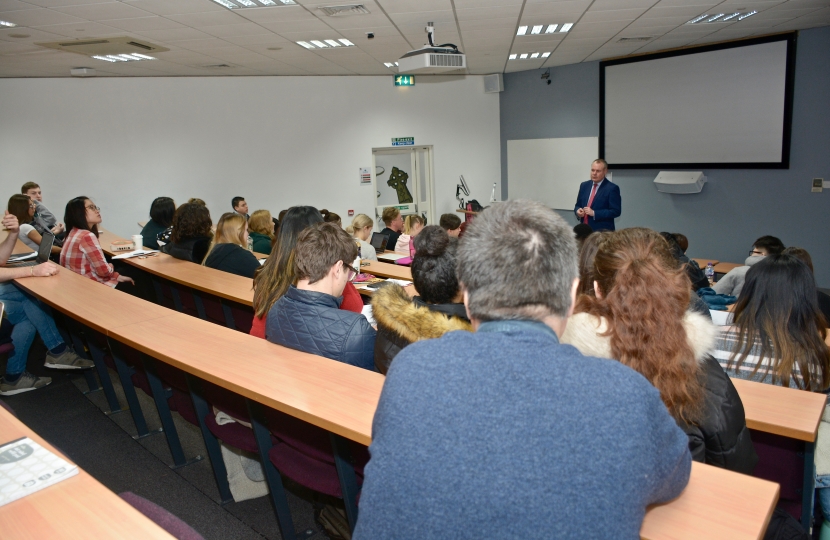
737 205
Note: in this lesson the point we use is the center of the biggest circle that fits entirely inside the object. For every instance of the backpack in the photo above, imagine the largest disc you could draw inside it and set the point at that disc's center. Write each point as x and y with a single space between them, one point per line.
782 526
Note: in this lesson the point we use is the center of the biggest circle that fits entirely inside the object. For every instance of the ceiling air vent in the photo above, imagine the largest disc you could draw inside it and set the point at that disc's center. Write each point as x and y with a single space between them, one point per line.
345 10
634 39
218 66
105 46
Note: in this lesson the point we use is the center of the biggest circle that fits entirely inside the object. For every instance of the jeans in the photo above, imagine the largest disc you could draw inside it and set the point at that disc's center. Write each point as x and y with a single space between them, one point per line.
27 316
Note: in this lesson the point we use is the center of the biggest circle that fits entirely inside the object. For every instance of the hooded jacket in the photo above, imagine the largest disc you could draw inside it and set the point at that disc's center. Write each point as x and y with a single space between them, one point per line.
722 438
402 320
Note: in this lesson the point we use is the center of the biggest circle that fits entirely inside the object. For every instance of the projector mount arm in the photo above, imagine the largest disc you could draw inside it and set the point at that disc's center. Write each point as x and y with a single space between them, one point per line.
430 30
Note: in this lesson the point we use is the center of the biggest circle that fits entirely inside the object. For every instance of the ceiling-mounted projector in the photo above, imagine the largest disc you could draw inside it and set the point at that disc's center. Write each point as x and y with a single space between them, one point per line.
432 58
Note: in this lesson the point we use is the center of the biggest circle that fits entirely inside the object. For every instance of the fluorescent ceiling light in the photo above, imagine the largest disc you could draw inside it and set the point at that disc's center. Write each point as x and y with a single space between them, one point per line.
104 58
128 57
332 43
389 65
143 56
730 17
545 54
8 24
267 2
346 42
551 28
396 64
117 58
534 55
319 43
247 3
716 17
522 31
512 56
288 2
750 14
523 56
227 3
566 27
305 44
537 29
698 19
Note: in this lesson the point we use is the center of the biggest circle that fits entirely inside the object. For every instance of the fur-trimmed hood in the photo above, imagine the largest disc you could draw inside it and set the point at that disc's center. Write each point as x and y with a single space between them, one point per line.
584 331
393 309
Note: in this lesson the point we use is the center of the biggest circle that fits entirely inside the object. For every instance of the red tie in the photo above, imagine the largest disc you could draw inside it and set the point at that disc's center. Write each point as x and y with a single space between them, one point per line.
590 200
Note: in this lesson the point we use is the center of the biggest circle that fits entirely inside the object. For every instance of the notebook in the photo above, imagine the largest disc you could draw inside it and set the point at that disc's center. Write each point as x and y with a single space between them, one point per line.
379 242
26 467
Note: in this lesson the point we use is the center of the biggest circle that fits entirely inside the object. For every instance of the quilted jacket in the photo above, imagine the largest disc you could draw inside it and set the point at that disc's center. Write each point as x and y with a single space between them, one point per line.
721 438
312 322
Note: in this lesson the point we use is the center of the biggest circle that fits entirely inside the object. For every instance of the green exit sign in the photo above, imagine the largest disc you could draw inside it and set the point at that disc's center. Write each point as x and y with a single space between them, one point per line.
404 80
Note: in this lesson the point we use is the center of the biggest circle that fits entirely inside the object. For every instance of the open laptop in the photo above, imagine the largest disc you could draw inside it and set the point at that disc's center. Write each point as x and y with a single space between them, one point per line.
43 252
379 242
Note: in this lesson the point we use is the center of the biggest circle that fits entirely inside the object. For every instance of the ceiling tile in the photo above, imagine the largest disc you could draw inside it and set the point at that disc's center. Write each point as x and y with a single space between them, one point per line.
210 18
59 3
103 12
275 14
144 24
244 29
468 4
257 41
174 35
611 5
40 17
311 25
32 34
487 13
611 15
14 5
557 9
414 6
82 30
507 22
171 7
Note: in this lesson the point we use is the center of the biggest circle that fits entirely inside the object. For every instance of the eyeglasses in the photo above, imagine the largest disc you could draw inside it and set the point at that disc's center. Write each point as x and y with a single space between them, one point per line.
351 271
755 252
93 208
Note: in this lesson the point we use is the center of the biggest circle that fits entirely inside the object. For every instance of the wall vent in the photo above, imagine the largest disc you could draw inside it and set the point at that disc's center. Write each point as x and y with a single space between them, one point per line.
446 60
634 39
105 46
345 10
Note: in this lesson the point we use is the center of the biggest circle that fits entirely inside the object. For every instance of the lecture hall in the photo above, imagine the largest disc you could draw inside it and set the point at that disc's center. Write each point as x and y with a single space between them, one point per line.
308 269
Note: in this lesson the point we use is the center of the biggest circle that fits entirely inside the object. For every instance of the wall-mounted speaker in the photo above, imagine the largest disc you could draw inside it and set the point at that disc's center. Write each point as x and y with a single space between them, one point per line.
493 84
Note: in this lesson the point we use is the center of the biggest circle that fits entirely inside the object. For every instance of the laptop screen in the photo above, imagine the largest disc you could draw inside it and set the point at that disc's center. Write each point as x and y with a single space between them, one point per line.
45 248
379 240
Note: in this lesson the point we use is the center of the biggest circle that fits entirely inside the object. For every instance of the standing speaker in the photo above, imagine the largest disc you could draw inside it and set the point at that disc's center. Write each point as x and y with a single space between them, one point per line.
493 84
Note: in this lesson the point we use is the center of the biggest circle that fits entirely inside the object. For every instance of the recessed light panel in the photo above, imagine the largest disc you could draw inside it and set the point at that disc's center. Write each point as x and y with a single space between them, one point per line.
512 57
7 24
721 17
566 27
545 54
537 29
241 4
744 16
325 43
318 43
523 56
522 31
551 28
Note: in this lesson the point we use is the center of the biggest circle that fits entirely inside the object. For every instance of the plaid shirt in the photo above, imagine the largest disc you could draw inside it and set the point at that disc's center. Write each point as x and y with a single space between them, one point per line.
727 341
83 255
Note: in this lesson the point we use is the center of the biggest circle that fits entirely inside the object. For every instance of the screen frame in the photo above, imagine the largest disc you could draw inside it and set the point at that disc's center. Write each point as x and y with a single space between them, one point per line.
789 37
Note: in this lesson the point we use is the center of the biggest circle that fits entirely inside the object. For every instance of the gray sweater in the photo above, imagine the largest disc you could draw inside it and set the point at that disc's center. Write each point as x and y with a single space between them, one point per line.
505 433
733 281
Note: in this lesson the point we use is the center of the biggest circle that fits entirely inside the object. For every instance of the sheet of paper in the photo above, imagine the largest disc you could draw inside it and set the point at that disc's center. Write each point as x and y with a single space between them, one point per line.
136 253
721 318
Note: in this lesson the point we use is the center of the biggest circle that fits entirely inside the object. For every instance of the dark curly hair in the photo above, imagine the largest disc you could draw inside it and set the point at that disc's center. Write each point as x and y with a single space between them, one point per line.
191 221
433 267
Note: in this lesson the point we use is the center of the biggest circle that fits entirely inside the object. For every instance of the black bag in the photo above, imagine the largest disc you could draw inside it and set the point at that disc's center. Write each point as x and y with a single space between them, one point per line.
782 526
474 206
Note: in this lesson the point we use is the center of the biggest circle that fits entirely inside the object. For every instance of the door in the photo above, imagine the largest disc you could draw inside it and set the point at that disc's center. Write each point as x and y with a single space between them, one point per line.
402 177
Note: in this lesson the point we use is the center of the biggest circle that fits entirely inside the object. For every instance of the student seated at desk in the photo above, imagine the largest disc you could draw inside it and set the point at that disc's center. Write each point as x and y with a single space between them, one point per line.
361 230
278 272
44 220
23 208
439 308
639 315
82 252
229 250
308 317
506 433
450 223
696 275
733 281
29 318
412 225
393 220
190 234
331 217
261 230
823 299
161 217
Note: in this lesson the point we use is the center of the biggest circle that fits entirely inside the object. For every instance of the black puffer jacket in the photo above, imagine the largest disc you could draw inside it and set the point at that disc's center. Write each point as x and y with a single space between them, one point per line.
722 438
192 249
403 320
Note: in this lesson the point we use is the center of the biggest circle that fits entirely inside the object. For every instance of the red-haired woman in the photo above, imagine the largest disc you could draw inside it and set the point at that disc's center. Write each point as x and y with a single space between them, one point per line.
638 316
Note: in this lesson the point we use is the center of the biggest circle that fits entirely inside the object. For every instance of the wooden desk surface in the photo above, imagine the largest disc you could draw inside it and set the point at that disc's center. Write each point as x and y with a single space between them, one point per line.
332 395
717 504
703 262
386 270
78 507
724 267
94 304
783 411
20 247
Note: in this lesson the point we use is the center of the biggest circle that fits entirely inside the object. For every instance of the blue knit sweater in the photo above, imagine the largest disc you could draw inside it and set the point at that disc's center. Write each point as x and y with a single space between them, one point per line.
506 433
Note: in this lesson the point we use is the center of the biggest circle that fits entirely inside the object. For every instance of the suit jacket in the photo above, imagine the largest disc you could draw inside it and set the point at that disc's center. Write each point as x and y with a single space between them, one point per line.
607 204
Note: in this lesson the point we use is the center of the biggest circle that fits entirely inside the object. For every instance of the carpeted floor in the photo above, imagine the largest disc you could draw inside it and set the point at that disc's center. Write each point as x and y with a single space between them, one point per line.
103 446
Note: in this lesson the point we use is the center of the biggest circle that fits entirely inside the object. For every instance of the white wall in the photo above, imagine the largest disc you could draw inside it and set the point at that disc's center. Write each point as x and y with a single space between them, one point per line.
277 141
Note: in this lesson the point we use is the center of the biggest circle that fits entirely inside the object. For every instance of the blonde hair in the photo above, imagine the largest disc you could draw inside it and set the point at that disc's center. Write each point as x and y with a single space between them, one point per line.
229 230
359 222
410 221
260 222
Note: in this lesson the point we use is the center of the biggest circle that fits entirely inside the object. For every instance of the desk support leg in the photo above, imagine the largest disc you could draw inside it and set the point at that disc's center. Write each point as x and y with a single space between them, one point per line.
100 368
159 292
200 306
177 300
124 372
272 475
347 476
228 316
220 473
72 337
166 417
809 489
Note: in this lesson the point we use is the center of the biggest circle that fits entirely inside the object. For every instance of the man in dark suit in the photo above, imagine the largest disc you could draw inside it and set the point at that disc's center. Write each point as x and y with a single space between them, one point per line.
599 201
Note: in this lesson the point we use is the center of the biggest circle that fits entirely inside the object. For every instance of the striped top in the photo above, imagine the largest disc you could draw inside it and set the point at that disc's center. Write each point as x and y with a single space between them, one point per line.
726 342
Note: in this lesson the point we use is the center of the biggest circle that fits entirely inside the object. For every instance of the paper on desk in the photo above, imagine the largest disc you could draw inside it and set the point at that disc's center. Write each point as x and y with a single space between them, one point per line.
401 282
136 253
392 256
721 318
367 312
26 467
24 257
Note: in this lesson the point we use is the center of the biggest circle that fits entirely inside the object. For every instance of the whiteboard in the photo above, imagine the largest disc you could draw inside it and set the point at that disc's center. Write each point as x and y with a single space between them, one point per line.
550 170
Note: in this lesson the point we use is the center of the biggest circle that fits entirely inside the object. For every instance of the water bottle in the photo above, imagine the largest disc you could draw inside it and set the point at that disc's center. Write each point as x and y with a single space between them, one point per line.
710 274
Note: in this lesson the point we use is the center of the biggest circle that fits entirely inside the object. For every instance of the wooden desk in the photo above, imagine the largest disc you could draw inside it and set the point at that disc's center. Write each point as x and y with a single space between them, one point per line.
783 411
78 507
20 248
703 262
386 270
725 267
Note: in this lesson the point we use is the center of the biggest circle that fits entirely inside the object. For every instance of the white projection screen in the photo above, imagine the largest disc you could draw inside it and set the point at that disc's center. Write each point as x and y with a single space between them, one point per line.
720 106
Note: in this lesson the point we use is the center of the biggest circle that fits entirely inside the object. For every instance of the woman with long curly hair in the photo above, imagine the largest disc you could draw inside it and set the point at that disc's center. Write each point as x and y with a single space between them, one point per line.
639 316
190 235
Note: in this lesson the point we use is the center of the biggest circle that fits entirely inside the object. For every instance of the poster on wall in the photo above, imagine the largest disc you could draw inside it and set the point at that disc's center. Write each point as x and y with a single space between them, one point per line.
365 175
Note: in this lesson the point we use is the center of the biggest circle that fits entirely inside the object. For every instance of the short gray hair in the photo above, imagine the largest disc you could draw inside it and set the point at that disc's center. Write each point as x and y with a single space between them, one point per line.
517 260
